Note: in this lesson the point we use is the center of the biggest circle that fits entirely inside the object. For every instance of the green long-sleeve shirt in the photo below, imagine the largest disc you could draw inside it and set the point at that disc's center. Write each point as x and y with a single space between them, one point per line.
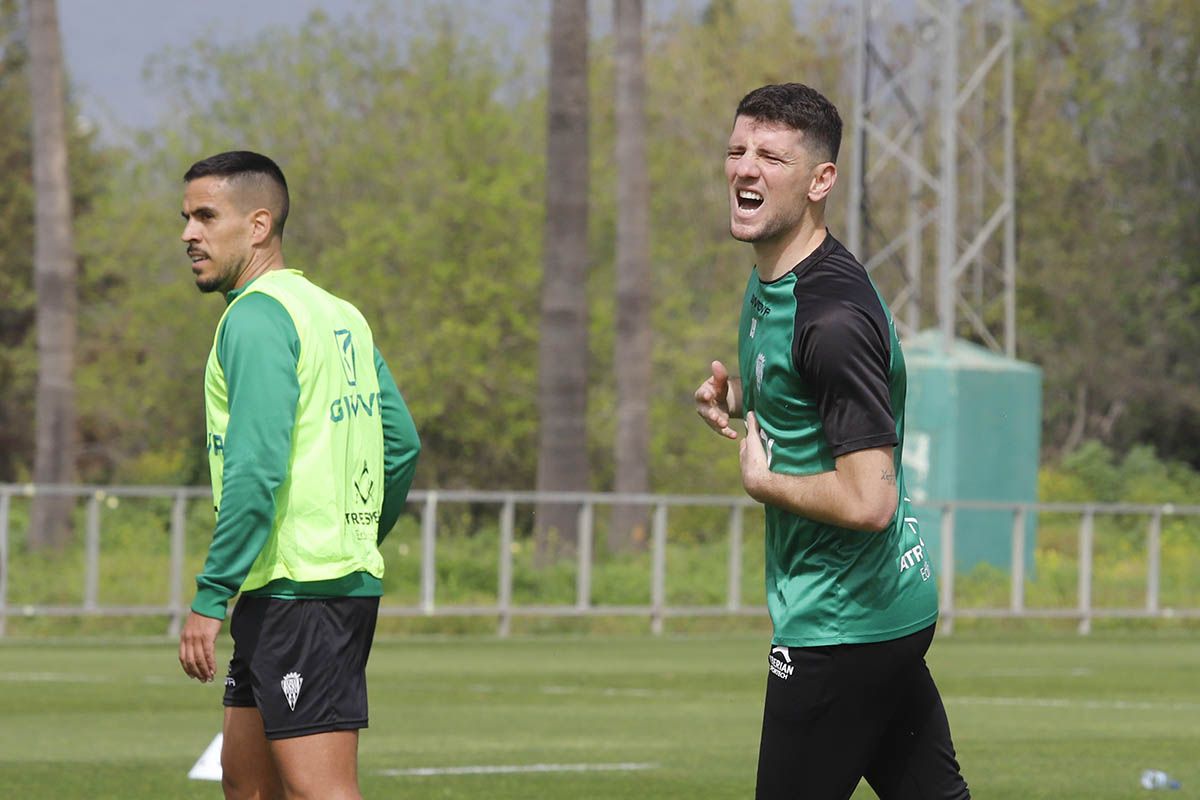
259 348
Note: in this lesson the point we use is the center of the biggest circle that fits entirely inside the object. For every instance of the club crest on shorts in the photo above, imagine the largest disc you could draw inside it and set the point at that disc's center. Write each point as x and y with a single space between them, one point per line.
291 688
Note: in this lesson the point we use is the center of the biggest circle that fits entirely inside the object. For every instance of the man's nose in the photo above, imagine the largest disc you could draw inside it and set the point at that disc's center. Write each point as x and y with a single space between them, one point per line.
189 232
747 167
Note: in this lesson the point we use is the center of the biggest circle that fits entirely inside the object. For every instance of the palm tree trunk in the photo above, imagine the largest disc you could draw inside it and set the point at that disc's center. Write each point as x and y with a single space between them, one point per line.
54 279
632 357
563 348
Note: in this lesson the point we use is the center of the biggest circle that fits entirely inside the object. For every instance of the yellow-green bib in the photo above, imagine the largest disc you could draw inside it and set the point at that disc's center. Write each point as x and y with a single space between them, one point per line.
327 509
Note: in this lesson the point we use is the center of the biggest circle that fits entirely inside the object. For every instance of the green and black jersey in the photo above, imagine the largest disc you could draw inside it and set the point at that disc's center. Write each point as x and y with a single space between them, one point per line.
822 371
273 440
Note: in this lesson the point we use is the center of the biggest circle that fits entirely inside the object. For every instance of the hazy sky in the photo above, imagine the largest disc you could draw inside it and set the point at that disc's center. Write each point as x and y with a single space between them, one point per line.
106 43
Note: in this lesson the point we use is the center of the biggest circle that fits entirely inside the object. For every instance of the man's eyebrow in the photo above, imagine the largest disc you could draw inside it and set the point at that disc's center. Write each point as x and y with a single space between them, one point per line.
203 211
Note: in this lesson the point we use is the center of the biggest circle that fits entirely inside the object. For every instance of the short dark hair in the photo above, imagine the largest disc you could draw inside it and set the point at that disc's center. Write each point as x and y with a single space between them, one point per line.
801 108
243 165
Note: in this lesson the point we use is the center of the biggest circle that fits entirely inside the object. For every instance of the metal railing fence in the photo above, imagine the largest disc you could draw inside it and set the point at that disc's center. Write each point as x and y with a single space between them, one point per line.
174 603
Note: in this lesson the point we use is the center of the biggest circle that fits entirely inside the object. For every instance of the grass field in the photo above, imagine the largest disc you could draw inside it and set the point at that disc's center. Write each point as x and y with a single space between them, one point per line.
1034 716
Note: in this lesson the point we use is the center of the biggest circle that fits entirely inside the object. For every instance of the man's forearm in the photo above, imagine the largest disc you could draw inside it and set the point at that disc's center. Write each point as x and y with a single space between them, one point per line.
401 446
859 493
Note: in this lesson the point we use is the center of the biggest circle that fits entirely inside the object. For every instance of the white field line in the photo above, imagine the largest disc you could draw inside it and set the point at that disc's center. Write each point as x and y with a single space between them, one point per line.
509 769
75 677
605 692
52 677
484 688
1035 672
1062 702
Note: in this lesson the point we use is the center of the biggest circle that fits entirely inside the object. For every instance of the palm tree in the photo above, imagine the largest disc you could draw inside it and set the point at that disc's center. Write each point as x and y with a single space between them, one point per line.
634 290
563 349
54 278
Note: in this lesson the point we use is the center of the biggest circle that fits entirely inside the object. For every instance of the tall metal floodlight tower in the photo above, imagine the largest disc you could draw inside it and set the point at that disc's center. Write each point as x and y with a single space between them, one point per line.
931 164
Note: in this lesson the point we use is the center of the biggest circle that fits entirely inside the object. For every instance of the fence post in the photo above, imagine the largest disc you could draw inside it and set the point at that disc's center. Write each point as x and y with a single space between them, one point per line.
1153 560
178 517
91 575
5 499
428 536
506 548
1017 597
1086 539
583 575
658 570
946 575
734 593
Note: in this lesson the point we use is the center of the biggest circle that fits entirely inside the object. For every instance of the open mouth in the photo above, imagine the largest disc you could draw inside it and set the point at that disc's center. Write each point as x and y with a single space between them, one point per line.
748 200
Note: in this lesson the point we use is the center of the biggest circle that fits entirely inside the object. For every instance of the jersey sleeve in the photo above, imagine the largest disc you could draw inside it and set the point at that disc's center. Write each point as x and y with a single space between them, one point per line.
842 353
258 349
401 446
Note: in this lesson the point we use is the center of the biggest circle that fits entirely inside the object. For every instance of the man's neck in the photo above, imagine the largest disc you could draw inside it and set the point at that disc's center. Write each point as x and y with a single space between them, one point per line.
260 264
776 257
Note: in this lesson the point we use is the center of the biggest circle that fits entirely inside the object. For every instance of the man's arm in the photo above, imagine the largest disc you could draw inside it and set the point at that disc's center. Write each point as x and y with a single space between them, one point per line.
841 348
859 493
258 348
401 446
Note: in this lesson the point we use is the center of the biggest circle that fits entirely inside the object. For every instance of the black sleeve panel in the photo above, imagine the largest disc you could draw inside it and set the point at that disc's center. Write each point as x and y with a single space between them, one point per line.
842 350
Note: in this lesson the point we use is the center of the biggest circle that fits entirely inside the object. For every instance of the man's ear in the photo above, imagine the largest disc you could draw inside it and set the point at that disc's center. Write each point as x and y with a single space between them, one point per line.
824 177
261 224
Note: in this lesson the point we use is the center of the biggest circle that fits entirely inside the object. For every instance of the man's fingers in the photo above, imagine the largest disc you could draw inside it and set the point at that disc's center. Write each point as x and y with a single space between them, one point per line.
719 422
195 662
719 373
711 397
197 647
210 661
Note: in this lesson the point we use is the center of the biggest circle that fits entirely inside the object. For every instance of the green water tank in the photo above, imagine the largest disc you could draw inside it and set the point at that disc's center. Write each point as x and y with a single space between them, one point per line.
972 432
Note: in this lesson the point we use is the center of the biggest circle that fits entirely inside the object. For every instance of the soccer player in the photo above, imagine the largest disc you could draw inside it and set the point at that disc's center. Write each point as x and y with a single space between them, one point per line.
311 452
850 588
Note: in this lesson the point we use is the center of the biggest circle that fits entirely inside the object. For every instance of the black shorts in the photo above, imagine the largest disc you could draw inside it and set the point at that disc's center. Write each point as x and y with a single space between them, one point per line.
837 714
302 663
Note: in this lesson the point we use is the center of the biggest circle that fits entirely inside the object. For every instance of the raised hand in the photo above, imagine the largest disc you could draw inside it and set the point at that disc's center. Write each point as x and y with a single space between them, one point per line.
713 400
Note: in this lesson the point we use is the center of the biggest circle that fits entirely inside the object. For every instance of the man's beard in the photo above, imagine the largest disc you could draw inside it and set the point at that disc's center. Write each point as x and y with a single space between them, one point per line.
211 284
221 281
771 229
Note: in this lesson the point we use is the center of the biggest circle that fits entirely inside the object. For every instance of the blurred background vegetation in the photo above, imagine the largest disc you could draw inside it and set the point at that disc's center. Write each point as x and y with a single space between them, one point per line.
416 155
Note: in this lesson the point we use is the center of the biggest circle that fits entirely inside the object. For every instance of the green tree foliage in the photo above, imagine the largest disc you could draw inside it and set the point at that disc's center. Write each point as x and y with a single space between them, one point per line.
1094 472
17 363
88 166
416 168
415 152
1109 279
416 194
